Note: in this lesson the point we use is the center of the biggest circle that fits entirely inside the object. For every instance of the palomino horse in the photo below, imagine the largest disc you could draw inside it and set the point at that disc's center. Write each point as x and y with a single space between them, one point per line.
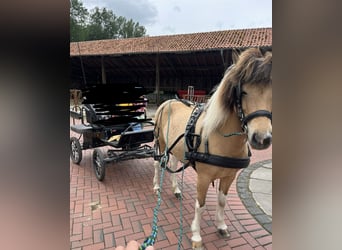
217 135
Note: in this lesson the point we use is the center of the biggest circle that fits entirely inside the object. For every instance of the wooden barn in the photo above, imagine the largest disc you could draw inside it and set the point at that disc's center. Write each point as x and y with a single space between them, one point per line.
163 64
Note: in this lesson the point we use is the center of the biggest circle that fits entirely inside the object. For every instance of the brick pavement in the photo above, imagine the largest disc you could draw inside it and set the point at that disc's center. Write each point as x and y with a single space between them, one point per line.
254 185
119 209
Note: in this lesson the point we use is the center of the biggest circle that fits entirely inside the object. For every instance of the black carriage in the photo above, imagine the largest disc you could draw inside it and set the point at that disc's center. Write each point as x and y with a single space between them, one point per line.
115 116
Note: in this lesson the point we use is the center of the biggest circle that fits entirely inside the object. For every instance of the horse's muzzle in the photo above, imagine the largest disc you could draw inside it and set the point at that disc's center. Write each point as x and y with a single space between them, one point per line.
261 140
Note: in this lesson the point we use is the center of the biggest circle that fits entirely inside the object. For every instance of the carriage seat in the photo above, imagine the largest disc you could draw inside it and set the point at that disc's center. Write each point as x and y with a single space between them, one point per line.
132 139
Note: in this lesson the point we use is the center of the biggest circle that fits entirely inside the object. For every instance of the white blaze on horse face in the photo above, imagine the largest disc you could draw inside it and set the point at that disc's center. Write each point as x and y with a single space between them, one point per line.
259 128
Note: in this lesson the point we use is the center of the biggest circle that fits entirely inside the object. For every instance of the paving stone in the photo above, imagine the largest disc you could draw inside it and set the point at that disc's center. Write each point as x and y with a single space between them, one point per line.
268 227
268 165
263 219
255 210
260 186
262 173
264 201
256 192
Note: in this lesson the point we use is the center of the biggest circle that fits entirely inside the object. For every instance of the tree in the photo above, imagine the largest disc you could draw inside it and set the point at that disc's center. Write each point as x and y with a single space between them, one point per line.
104 24
78 21
100 24
131 29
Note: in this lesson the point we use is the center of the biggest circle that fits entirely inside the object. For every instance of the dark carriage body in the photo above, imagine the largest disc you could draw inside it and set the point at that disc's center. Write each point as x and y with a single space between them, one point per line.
115 116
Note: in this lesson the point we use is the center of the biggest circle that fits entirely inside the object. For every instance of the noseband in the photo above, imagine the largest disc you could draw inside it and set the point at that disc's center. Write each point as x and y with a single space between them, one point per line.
246 118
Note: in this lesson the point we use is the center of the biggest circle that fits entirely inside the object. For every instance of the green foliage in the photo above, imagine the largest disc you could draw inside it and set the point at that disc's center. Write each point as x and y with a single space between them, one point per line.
78 21
100 24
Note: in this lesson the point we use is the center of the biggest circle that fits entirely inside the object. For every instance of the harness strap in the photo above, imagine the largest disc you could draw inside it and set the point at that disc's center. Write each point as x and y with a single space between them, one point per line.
192 155
220 161
157 157
184 166
184 101
190 128
246 118
255 114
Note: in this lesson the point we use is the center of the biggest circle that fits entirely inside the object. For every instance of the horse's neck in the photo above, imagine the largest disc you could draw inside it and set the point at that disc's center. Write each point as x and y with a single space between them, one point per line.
222 144
231 125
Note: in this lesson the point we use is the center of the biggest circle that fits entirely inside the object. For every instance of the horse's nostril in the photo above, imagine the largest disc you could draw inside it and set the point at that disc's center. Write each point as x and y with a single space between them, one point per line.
262 139
268 140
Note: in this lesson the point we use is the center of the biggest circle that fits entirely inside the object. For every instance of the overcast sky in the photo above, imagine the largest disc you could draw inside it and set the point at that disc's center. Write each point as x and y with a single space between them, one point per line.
166 17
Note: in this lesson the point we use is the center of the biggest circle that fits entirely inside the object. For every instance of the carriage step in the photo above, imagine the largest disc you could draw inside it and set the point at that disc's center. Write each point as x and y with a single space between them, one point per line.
81 128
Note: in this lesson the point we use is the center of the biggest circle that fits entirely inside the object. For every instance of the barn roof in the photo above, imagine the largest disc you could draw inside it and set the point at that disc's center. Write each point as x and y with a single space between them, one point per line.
204 41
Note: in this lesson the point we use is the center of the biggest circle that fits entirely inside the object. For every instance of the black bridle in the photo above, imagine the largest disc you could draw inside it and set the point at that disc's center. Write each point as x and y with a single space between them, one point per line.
246 118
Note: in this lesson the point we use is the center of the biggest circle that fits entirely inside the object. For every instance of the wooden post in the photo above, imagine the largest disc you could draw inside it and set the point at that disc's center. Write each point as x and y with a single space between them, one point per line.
103 71
225 59
157 81
79 53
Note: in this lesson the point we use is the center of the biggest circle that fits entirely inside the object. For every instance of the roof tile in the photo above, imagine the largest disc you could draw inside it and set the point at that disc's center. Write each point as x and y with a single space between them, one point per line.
175 43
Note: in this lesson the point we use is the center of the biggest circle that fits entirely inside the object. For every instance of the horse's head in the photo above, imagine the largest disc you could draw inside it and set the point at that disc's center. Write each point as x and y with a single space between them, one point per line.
256 103
253 96
246 90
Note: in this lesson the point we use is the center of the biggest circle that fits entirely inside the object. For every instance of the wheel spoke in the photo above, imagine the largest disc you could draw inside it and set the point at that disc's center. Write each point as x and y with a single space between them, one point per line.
75 150
98 164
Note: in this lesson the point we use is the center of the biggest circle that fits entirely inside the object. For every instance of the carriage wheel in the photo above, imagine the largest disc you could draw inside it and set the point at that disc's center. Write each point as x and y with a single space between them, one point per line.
75 150
99 164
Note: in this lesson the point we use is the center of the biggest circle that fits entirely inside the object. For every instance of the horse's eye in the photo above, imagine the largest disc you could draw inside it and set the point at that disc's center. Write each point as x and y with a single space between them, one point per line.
243 93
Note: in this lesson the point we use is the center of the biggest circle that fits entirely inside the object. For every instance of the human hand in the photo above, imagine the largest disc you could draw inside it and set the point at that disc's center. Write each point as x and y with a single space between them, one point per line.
133 245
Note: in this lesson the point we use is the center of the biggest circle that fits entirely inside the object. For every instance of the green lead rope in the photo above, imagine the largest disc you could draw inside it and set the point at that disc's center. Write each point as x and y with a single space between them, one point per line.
149 241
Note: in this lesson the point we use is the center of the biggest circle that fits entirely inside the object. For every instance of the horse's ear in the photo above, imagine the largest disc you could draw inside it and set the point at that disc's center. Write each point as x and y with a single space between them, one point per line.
235 56
263 50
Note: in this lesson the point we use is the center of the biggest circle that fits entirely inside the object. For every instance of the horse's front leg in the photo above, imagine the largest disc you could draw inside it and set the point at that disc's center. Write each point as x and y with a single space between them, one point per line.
156 177
222 228
202 189
173 177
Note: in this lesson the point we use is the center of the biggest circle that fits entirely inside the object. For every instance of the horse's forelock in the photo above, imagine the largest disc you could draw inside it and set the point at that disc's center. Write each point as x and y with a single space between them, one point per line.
254 66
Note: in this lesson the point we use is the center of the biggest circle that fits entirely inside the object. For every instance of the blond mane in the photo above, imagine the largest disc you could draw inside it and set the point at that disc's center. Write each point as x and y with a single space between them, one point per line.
252 67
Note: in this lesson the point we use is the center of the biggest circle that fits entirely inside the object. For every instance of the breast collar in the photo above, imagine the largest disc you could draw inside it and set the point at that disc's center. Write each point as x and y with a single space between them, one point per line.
193 141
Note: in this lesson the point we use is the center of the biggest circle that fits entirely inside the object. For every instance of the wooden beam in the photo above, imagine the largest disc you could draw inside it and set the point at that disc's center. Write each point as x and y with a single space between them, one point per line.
103 71
157 80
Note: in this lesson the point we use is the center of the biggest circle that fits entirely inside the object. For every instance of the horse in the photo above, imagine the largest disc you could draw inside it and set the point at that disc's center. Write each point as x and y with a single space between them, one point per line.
215 138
